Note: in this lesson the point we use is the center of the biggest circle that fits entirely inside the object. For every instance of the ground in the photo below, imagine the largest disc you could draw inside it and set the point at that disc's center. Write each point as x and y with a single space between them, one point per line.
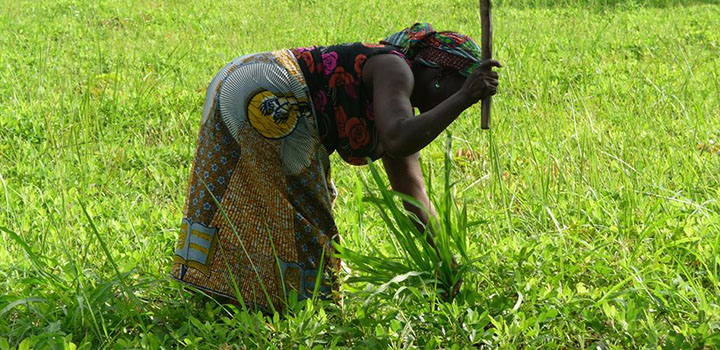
599 181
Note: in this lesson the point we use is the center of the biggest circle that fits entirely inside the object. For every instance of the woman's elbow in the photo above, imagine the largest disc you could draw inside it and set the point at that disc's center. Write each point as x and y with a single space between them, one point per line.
395 148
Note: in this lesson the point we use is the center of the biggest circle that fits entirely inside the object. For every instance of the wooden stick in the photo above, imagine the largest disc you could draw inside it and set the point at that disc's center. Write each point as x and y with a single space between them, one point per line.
486 23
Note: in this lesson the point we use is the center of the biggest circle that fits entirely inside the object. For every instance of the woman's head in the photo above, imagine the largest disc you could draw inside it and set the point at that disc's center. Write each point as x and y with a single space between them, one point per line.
440 61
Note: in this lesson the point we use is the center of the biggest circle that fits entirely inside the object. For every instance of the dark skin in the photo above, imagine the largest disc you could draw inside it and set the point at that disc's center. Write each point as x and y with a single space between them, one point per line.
396 89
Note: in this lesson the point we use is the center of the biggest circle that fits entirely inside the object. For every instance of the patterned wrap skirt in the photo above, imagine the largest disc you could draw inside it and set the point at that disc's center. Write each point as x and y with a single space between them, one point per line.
258 222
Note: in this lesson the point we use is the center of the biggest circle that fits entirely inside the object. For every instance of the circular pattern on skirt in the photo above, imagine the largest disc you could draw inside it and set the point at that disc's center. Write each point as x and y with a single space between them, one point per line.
272 116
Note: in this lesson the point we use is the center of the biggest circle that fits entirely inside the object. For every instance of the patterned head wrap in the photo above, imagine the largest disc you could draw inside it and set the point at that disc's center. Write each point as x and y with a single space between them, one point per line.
437 49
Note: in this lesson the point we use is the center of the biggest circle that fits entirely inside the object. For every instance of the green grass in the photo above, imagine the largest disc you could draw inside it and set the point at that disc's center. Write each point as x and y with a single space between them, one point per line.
603 216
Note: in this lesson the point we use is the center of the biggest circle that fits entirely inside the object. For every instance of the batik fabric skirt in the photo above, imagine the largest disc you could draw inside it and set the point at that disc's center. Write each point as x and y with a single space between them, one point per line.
257 221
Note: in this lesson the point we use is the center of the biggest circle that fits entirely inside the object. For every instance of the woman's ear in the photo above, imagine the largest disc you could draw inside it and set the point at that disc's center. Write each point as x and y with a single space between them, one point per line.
451 80
447 74
438 75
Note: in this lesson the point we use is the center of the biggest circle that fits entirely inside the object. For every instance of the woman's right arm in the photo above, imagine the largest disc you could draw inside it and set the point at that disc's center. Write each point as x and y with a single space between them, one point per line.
400 133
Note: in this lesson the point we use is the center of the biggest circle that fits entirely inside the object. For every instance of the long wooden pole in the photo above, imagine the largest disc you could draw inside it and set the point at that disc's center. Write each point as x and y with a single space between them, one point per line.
486 23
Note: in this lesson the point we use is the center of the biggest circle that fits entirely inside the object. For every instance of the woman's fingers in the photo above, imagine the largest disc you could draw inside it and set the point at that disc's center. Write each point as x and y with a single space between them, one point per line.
483 81
489 64
491 86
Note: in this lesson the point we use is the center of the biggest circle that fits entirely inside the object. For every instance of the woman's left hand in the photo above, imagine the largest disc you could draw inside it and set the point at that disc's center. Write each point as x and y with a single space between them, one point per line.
483 82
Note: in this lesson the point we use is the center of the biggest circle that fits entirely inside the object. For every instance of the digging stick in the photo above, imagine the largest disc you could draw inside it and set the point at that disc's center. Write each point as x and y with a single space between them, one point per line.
486 24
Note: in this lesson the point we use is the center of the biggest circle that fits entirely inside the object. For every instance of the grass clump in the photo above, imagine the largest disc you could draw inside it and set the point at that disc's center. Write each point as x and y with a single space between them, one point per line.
434 261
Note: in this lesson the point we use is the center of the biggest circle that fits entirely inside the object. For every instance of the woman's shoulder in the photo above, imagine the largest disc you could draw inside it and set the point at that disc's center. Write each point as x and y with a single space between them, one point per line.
361 52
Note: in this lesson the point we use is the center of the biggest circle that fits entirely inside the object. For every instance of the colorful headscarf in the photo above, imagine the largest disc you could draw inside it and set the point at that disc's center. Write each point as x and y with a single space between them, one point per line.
437 49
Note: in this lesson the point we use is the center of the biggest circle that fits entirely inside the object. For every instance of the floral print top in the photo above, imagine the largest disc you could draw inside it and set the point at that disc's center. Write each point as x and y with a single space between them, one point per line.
344 109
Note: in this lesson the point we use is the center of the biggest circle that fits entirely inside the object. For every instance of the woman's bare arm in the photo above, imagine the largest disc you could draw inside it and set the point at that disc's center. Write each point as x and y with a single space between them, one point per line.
406 177
400 133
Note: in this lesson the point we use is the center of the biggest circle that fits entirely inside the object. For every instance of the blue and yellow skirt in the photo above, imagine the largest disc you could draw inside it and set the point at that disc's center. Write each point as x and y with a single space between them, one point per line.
258 218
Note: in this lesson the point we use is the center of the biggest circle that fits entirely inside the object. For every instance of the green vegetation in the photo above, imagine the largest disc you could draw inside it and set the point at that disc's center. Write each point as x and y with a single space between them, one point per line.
597 190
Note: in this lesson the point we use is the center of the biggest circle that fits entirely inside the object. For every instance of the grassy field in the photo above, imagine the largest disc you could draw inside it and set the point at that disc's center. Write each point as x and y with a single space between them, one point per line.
599 182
